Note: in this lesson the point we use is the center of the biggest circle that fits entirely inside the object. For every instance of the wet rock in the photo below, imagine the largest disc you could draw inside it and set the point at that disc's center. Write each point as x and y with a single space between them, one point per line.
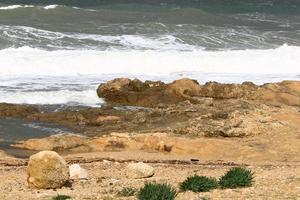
139 170
47 169
77 172
19 111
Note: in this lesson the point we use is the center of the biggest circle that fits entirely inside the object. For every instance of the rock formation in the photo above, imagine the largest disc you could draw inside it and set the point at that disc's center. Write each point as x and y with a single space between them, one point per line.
150 94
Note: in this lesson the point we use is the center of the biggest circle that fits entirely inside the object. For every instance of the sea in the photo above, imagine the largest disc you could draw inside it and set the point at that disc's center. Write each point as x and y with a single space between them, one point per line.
56 52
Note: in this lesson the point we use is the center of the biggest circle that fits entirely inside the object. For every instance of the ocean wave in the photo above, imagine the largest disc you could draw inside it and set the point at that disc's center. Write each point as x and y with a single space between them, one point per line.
27 35
13 7
85 97
33 61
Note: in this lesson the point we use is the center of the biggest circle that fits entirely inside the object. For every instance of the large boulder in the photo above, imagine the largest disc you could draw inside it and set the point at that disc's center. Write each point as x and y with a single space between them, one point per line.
46 170
139 170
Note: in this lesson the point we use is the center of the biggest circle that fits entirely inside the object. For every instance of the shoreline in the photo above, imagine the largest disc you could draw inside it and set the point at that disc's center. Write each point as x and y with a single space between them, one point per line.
231 125
134 107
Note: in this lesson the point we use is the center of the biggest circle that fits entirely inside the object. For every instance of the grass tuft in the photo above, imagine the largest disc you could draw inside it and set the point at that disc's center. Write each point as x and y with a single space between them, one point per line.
127 192
237 177
198 184
154 191
61 197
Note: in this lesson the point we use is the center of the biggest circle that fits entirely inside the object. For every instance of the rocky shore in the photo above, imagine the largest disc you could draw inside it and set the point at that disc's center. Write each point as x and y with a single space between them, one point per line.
168 125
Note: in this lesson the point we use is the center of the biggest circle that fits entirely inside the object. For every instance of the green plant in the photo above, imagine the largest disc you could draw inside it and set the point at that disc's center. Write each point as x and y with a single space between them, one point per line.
127 192
237 177
198 184
61 197
154 191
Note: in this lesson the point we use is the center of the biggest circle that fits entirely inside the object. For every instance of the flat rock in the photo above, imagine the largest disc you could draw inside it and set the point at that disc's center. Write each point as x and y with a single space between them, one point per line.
59 142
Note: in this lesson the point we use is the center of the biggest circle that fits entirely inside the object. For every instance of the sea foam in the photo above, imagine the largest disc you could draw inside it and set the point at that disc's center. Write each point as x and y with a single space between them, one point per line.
12 7
33 61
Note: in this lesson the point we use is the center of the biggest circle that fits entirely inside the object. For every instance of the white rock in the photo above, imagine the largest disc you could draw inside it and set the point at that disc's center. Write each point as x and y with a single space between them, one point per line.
139 170
47 169
76 172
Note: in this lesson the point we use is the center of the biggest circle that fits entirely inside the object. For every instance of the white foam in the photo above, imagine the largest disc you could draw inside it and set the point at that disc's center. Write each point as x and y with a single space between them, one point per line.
51 6
12 7
86 97
159 42
31 61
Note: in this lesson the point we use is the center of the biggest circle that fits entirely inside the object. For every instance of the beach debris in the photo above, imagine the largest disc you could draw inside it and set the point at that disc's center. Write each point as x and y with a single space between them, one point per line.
139 170
77 172
47 170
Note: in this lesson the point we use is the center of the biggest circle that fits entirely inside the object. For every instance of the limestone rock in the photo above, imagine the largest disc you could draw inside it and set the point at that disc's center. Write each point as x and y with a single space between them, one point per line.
139 170
46 170
77 172
59 142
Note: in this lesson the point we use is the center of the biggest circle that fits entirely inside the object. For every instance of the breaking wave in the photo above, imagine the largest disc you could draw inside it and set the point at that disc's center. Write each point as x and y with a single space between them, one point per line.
33 61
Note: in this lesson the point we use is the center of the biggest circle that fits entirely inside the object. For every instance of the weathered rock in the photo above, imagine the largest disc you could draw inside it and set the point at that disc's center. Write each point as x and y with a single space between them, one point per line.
228 91
47 169
149 93
139 170
285 92
186 88
12 110
77 172
135 92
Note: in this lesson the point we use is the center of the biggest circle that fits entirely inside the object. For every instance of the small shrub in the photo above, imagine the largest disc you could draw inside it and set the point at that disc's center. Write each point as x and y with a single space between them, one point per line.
199 184
127 192
154 191
61 197
237 177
